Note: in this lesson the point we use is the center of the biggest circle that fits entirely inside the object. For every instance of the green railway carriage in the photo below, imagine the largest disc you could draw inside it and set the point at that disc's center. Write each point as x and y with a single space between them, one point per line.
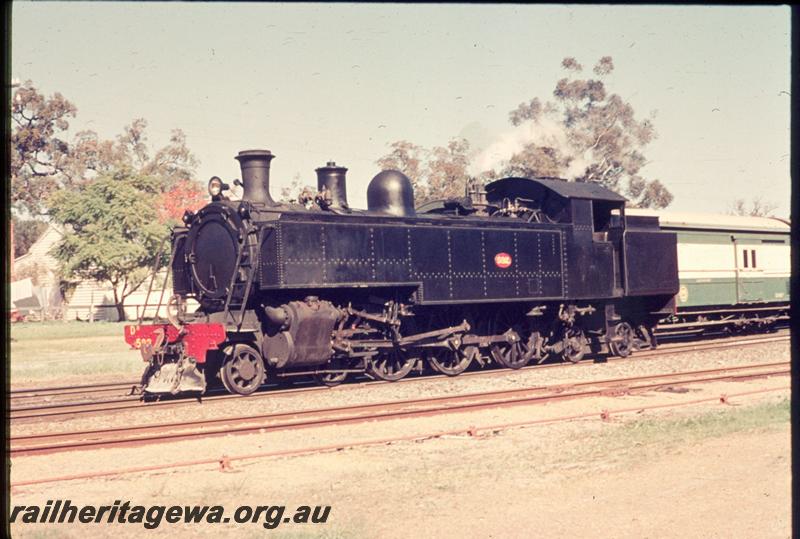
729 264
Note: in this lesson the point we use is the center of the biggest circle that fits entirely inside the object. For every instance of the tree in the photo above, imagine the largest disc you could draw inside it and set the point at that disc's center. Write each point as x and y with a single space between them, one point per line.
43 160
26 232
34 271
296 191
447 170
758 208
170 164
534 160
39 152
586 134
408 158
115 196
112 231
183 195
438 173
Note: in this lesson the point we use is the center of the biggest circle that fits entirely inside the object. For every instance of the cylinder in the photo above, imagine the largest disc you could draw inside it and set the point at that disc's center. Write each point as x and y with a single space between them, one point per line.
255 175
331 179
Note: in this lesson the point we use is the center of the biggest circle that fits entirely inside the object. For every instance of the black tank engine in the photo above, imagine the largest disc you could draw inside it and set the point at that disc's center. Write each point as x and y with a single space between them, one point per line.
514 272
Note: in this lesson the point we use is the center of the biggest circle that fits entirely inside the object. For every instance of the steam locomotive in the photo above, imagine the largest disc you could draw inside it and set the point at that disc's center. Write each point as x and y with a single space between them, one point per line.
515 272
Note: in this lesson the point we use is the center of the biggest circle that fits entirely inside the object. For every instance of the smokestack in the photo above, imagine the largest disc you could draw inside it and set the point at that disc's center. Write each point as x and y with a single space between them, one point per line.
331 179
255 175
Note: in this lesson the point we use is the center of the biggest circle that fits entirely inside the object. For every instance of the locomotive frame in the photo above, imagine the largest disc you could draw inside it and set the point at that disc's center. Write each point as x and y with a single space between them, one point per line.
527 269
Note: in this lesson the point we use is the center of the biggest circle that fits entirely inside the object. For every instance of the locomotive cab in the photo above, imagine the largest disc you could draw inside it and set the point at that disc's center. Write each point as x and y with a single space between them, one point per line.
596 216
560 201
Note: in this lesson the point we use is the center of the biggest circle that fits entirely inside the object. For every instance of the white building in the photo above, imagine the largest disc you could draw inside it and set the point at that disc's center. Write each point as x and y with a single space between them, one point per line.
36 288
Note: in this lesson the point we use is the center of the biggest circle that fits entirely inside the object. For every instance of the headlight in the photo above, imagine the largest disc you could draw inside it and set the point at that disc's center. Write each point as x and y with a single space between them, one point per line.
215 186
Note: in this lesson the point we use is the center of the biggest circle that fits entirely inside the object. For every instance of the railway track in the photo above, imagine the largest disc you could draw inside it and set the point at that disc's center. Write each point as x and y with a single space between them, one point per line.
45 392
84 407
56 391
47 443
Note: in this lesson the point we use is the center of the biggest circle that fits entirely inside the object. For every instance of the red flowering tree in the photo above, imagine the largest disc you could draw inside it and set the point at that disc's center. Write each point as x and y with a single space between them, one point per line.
183 195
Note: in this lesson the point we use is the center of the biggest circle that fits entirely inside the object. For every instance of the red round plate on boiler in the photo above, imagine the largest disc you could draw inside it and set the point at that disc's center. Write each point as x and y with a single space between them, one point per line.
502 260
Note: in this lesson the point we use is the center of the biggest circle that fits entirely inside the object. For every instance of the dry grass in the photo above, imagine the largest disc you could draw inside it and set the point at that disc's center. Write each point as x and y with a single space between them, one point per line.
74 351
641 439
38 331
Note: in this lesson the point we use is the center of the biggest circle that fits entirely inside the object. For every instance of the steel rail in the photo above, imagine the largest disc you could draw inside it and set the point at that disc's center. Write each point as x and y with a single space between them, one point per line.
136 435
56 390
21 401
225 462
75 408
62 390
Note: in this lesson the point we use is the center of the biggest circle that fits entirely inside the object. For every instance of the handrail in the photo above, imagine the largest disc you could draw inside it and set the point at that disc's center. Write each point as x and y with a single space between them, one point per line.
153 277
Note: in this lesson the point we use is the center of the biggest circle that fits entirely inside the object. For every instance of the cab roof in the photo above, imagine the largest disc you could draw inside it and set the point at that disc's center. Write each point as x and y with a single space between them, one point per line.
537 187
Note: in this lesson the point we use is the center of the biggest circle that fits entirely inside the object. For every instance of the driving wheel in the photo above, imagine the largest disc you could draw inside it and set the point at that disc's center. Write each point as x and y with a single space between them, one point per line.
243 370
574 345
392 364
452 362
517 350
625 340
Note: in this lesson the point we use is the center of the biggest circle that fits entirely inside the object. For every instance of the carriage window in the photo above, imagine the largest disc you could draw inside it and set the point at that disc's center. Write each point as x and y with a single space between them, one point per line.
744 254
753 257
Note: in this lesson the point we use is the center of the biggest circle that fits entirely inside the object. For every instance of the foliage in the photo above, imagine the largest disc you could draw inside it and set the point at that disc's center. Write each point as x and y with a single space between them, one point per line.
39 152
583 134
587 134
171 167
447 170
757 208
408 158
295 191
112 232
536 161
34 271
26 232
438 173
170 164
183 195
43 160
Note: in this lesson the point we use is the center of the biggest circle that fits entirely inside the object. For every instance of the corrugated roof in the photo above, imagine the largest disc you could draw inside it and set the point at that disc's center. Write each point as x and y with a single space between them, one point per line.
712 221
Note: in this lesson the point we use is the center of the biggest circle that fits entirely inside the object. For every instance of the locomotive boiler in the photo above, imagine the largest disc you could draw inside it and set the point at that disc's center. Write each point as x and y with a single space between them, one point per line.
518 271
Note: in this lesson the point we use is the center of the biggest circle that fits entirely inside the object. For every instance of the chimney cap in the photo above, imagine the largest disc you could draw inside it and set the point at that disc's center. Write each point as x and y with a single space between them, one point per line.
254 153
331 165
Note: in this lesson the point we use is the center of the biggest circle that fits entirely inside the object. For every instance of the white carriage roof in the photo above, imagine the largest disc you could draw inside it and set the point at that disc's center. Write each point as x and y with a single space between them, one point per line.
714 221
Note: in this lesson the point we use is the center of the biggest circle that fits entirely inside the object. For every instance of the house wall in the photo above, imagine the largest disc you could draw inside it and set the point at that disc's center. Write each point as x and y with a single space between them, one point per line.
39 256
88 297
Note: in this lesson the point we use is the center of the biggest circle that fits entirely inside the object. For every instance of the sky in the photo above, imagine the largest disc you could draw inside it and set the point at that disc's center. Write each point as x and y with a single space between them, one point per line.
319 82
